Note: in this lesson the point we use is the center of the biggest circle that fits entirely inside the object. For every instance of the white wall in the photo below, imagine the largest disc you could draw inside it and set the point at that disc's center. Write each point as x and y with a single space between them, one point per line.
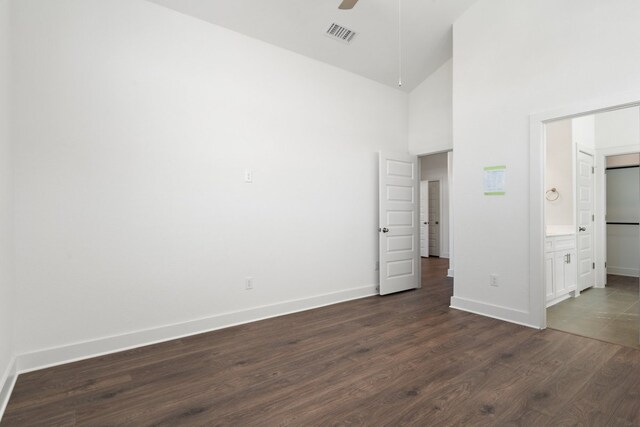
452 251
136 124
617 128
559 173
583 131
434 168
7 284
623 160
513 59
430 110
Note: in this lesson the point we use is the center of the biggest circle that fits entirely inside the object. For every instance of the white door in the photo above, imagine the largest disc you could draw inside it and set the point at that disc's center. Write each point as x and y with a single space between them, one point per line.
434 218
399 228
585 233
424 229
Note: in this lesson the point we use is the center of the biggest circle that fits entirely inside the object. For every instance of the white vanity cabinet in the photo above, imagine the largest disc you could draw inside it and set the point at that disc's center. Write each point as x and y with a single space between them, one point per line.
560 263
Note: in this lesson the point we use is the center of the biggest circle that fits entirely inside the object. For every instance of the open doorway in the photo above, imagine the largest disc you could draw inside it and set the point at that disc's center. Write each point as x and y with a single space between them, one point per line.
404 209
622 214
435 212
430 218
591 216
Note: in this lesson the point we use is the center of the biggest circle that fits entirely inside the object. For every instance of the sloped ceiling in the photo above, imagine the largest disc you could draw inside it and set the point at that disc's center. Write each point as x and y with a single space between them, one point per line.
300 26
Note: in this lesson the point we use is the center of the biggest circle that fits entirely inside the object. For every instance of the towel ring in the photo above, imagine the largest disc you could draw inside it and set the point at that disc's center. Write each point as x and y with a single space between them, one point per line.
552 195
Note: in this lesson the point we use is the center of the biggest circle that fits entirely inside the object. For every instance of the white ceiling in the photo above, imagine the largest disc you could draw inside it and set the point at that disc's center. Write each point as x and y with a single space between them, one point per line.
300 25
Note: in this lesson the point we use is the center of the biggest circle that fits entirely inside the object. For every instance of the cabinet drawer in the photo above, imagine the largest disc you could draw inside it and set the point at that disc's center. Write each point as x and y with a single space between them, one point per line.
548 245
564 243
559 243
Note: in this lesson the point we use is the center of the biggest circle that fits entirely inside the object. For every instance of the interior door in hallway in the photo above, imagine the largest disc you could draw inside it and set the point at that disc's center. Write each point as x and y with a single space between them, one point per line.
399 228
585 218
424 229
434 218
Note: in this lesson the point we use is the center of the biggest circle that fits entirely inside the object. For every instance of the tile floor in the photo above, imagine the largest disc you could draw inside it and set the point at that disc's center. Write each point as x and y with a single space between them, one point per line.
609 314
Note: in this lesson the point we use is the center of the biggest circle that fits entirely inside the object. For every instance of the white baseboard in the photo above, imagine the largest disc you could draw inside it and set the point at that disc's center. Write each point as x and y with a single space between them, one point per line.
623 271
450 272
494 311
6 384
558 300
88 349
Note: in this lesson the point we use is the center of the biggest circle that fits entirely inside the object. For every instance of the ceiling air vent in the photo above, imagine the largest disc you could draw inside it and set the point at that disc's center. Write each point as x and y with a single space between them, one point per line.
340 33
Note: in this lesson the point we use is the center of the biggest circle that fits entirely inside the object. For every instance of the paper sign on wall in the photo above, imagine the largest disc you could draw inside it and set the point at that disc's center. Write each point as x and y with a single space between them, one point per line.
495 180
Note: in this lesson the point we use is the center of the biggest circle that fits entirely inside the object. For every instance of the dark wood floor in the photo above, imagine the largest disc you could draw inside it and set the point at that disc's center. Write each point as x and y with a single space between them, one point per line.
404 359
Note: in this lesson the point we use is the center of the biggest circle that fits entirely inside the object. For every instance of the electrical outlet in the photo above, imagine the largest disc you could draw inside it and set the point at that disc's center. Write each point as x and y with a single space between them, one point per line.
493 280
248 176
248 283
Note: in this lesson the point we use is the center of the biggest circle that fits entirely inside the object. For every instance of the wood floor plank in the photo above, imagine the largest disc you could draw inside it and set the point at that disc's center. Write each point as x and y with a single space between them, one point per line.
402 390
324 379
403 359
559 389
628 395
601 396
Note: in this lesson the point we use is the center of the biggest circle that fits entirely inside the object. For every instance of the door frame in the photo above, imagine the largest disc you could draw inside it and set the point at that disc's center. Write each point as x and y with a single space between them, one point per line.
537 292
450 188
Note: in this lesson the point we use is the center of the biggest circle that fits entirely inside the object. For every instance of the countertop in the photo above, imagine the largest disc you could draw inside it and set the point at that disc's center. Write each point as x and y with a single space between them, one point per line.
560 230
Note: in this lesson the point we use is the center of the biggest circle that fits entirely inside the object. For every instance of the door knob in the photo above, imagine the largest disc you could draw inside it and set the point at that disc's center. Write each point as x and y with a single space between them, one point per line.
426 223
582 228
385 230
437 222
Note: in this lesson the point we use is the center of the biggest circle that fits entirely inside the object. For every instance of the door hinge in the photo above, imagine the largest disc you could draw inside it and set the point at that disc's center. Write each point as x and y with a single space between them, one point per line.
605 264
593 217
593 169
593 266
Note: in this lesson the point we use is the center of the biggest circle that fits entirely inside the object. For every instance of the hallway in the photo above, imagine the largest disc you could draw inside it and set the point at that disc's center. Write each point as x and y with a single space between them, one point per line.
434 277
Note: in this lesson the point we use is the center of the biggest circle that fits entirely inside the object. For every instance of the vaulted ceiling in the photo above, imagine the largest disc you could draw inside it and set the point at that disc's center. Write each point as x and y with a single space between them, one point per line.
300 26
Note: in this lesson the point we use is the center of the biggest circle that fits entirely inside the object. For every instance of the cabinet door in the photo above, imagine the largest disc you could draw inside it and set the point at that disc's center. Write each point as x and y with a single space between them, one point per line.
559 259
571 272
549 275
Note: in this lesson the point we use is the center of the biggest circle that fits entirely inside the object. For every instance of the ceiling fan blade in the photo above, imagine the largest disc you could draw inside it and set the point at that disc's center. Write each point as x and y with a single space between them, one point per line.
347 4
